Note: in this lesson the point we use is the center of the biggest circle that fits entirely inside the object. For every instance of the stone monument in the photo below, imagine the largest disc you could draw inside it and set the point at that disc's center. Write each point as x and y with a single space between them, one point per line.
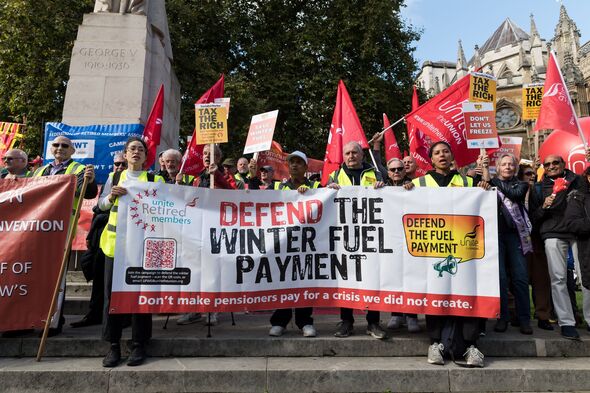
121 56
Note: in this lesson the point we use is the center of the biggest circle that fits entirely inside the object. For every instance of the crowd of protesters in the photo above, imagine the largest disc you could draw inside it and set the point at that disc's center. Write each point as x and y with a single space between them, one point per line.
539 232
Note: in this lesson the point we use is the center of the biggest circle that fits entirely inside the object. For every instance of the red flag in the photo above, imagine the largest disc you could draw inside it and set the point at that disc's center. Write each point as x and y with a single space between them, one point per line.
391 147
441 119
419 143
192 162
153 128
346 127
557 111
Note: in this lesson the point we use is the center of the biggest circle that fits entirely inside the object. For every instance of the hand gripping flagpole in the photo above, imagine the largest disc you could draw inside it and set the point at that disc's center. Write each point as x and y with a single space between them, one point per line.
64 262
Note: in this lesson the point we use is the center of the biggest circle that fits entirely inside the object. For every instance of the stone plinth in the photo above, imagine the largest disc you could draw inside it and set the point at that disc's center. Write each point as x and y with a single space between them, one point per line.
118 63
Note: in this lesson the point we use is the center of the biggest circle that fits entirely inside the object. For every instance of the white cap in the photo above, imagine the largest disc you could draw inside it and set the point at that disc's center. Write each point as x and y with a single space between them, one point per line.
299 154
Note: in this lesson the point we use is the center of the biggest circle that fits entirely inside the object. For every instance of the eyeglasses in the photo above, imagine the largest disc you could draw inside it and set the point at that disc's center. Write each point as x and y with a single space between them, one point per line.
399 169
118 164
529 173
9 159
548 164
63 145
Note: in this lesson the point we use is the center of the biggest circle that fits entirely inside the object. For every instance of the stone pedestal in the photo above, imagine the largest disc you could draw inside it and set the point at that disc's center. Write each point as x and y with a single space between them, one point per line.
118 64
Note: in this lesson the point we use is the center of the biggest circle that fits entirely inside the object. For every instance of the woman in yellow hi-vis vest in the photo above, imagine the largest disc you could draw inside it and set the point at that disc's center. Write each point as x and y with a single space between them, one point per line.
141 325
443 176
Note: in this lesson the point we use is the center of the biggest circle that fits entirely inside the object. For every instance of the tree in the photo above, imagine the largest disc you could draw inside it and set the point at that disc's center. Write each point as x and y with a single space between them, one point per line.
36 39
289 55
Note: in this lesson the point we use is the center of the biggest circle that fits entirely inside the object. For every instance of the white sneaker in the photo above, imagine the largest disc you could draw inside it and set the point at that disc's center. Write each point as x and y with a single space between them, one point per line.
473 357
187 319
212 320
435 354
395 322
413 326
277 331
309 331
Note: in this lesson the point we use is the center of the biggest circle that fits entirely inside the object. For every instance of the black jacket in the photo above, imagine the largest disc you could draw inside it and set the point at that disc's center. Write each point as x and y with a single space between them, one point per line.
577 220
550 222
515 190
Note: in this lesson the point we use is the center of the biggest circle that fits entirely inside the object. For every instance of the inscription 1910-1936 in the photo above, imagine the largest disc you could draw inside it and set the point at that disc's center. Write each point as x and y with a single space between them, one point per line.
116 59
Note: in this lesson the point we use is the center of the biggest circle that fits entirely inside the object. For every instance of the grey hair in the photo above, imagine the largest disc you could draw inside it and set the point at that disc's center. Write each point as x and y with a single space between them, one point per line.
356 145
512 156
120 155
172 152
394 159
20 153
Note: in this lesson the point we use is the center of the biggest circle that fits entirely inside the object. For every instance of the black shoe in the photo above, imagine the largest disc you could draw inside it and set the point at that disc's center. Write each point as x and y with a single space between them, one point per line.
344 329
86 321
501 326
526 328
373 329
570 332
544 324
112 358
137 356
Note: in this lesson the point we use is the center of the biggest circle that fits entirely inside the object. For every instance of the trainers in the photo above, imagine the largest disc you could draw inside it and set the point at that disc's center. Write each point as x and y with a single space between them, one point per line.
277 331
413 326
570 332
212 319
376 331
309 331
435 354
395 322
473 357
345 329
187 319
544 324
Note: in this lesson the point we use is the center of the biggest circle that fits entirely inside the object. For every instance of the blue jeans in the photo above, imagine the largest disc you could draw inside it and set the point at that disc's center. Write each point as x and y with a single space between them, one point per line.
511 257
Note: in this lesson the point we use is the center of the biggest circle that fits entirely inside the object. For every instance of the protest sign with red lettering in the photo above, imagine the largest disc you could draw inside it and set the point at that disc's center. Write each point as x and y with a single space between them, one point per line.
434 251
480 125
34 219
262 129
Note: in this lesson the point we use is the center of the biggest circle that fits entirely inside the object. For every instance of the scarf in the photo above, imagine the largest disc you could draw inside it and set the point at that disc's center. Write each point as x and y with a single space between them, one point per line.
521 221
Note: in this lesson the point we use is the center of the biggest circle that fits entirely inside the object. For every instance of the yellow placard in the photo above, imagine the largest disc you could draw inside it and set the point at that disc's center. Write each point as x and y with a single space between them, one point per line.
482 88
456 238
210 123
532 95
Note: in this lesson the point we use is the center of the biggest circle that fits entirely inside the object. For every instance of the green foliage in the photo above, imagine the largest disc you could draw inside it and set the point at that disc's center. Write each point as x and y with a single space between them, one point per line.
289 55
36 39
276 54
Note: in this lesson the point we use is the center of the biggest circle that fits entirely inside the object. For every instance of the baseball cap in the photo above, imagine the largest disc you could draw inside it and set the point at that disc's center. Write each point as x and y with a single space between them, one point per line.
299 154
267 168
229 162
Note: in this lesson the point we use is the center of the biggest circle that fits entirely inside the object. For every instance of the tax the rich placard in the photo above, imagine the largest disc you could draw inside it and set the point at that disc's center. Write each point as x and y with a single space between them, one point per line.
34 218
482 88
210 123
532 95
480 125
181 249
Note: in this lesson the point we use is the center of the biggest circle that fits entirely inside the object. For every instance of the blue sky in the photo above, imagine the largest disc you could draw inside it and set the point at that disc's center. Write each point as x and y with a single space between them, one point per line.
444 22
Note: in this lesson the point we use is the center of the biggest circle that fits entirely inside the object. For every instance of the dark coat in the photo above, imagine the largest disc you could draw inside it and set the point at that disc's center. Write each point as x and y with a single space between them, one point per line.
577 219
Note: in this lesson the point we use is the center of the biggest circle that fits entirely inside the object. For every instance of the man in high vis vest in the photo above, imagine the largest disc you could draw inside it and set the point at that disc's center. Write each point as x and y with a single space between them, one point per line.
443 176
297 181
16 162
62 150
355 172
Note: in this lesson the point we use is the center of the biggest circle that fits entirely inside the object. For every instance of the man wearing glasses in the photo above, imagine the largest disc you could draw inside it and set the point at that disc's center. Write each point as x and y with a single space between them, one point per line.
16 162
548 211
62 149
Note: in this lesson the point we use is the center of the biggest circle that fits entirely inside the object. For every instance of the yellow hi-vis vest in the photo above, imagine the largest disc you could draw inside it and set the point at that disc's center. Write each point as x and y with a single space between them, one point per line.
287 186
368 178
187 179
457 181
73 168
108 237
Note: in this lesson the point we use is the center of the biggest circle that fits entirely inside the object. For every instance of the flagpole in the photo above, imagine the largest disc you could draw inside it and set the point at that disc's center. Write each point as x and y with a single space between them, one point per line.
387 128
580 133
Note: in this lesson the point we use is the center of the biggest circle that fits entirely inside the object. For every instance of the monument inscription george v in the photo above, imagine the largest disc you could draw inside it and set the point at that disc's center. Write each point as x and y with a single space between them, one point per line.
121 56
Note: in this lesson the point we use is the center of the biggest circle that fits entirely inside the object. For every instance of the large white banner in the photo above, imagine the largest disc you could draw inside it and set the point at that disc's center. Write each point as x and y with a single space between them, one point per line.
428 250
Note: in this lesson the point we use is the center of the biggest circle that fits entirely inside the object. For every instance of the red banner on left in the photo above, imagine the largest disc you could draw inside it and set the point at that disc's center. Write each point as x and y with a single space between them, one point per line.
34 220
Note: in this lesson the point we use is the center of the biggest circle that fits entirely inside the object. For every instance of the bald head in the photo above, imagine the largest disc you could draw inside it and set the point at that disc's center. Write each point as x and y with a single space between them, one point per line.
15 161
62 149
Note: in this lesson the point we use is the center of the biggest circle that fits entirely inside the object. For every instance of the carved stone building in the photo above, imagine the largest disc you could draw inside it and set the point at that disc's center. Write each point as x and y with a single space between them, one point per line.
515 58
